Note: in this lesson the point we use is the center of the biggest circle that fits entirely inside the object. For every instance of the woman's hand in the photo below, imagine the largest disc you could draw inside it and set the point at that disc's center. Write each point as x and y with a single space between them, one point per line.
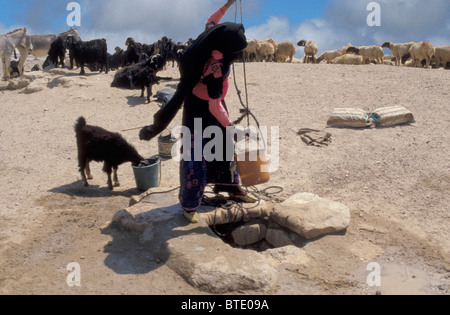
230 3
148 133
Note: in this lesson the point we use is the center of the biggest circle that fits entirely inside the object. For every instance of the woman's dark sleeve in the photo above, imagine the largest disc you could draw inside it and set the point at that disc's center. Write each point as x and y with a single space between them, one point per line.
215 86
163 117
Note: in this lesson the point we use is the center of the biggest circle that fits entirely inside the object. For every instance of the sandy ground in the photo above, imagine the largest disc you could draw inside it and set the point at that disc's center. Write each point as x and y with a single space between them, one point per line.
395 181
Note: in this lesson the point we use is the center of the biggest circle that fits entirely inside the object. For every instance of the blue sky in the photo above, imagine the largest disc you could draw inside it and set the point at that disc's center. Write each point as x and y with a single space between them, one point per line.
331 23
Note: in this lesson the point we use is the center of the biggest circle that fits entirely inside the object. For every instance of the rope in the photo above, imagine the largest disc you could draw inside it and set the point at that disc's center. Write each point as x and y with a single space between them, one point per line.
246 112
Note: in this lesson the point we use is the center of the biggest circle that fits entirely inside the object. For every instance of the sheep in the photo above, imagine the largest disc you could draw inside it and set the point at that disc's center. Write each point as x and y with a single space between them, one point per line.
348 59
441 57
421 51
285 50
329 56
368 53
344 49
88 53
398 50
311 50
140 76
252 50
266 51
57 51
97 144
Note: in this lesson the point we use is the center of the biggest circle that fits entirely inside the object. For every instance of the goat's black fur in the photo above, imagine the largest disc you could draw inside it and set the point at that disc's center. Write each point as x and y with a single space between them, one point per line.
57 51
133 53
116 60
88 53
97 144
140 76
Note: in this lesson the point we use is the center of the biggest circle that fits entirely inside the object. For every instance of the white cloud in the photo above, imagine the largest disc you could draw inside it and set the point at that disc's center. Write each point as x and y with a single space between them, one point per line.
346 21
147 20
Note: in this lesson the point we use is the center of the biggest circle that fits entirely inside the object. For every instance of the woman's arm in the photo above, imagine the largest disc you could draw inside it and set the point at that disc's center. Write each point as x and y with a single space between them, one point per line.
217 16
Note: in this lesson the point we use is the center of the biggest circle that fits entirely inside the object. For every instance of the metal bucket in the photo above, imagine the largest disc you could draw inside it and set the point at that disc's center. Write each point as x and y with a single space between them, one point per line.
165 144
148 176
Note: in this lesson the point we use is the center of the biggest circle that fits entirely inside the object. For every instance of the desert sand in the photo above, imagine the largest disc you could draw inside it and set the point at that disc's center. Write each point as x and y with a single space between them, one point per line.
395 180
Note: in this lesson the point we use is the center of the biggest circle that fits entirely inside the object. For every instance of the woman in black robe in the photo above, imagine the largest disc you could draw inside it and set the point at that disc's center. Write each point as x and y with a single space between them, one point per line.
204 71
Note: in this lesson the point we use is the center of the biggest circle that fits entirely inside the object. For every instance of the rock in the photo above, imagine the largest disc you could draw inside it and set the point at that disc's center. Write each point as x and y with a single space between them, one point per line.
3 85
278 237
58 71
366 251
61 81
15 84
193 251
311 216
205 263
291 255
34 88
34 75
249 233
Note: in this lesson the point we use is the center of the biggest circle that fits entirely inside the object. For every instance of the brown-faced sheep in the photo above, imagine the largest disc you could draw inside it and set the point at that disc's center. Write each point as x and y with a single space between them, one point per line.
311 50
398 50
368 53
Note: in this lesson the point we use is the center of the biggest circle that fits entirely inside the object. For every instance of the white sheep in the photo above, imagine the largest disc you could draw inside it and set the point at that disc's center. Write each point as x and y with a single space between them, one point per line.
329 56
398 50
266 51
441 57
311 50
368 53
252 49
348 59
421 51
344 49
284 51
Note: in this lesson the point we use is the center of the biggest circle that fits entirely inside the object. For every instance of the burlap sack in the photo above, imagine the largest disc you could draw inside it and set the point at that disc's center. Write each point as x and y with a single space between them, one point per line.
391 116
348 118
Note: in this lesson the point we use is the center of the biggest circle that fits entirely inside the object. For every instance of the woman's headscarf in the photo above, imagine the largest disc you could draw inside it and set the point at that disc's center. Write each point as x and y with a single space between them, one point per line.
228 38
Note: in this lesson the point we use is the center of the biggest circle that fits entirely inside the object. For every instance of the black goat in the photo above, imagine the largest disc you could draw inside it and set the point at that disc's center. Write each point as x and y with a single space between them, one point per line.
57 51
133 53
97 144
140 76
168 49
88 53
115 61
14 68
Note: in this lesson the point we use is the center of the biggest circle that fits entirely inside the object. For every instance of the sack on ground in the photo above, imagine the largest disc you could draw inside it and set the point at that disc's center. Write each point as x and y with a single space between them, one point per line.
348 118
391 116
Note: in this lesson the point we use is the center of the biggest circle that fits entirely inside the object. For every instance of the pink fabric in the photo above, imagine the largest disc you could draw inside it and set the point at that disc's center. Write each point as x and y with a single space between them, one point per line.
216 108
201 90
217 16
213 67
